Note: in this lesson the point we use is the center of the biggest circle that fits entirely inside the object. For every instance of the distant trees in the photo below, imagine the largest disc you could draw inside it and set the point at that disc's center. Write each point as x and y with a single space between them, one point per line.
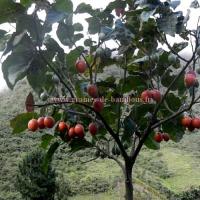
32 182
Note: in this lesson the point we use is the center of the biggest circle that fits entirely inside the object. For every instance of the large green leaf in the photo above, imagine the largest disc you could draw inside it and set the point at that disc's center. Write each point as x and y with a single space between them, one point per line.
64 6
94 25
2 33
32 26
151 143
38 77
65 34
173 102
16 65
79 144
46 139
49 155
84 8
20 122
180 46
26 3
174 129
10 10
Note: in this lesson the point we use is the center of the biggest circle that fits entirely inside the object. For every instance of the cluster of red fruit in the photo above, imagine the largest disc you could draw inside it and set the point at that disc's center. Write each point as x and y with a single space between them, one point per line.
78 130
191 123
92 90
151 94
41 123
159 137
190 79
49 122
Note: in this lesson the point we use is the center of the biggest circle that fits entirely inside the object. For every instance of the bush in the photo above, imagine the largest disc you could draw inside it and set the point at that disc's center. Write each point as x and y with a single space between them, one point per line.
32 182
192 194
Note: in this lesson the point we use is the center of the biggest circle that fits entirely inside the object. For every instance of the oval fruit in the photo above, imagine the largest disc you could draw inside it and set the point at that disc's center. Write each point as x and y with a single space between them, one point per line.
33 125
195 122
146 95
71 132
189 80
156 95
166 137
93 129
186 121
49 122
158 137
62 126
41 122
79 130
92 90
98 105
81 66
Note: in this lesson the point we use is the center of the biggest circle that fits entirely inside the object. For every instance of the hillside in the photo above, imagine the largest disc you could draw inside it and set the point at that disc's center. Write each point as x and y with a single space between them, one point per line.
159 174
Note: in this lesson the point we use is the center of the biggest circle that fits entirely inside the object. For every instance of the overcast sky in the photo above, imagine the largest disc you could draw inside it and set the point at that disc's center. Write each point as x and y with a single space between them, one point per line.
102 4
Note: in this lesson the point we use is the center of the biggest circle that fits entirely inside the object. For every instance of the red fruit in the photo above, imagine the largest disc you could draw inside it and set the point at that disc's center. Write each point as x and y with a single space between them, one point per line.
156 95
81 66
190 80
93 128
92 91
98 105
62 126
119 11
41 122
186 121
192 72
146 95
195 122
33 125
165 137
49 122
79 131
158 137
71 132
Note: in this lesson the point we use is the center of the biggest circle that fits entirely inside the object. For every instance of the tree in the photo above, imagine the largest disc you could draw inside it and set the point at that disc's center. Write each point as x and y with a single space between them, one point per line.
136 67
32 182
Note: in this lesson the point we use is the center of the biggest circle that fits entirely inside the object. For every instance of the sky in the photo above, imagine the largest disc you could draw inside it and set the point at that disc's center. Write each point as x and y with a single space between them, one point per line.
102 4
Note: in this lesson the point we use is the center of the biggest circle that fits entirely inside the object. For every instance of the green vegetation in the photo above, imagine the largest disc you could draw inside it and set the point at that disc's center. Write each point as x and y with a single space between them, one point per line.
159 174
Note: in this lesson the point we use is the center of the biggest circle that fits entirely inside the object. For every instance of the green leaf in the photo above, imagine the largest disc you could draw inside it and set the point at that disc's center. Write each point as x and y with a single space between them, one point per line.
116 4
173 102
79 144
78 27
179 46
129 129
49 155
94 25
151 143
20 122
26 3
32 26
64 6
2 34
46 139
84 8
10 10
174 129
17 64
78 37
65 34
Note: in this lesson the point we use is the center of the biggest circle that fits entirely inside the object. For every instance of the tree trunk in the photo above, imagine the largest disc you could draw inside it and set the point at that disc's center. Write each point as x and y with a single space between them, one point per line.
128 181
